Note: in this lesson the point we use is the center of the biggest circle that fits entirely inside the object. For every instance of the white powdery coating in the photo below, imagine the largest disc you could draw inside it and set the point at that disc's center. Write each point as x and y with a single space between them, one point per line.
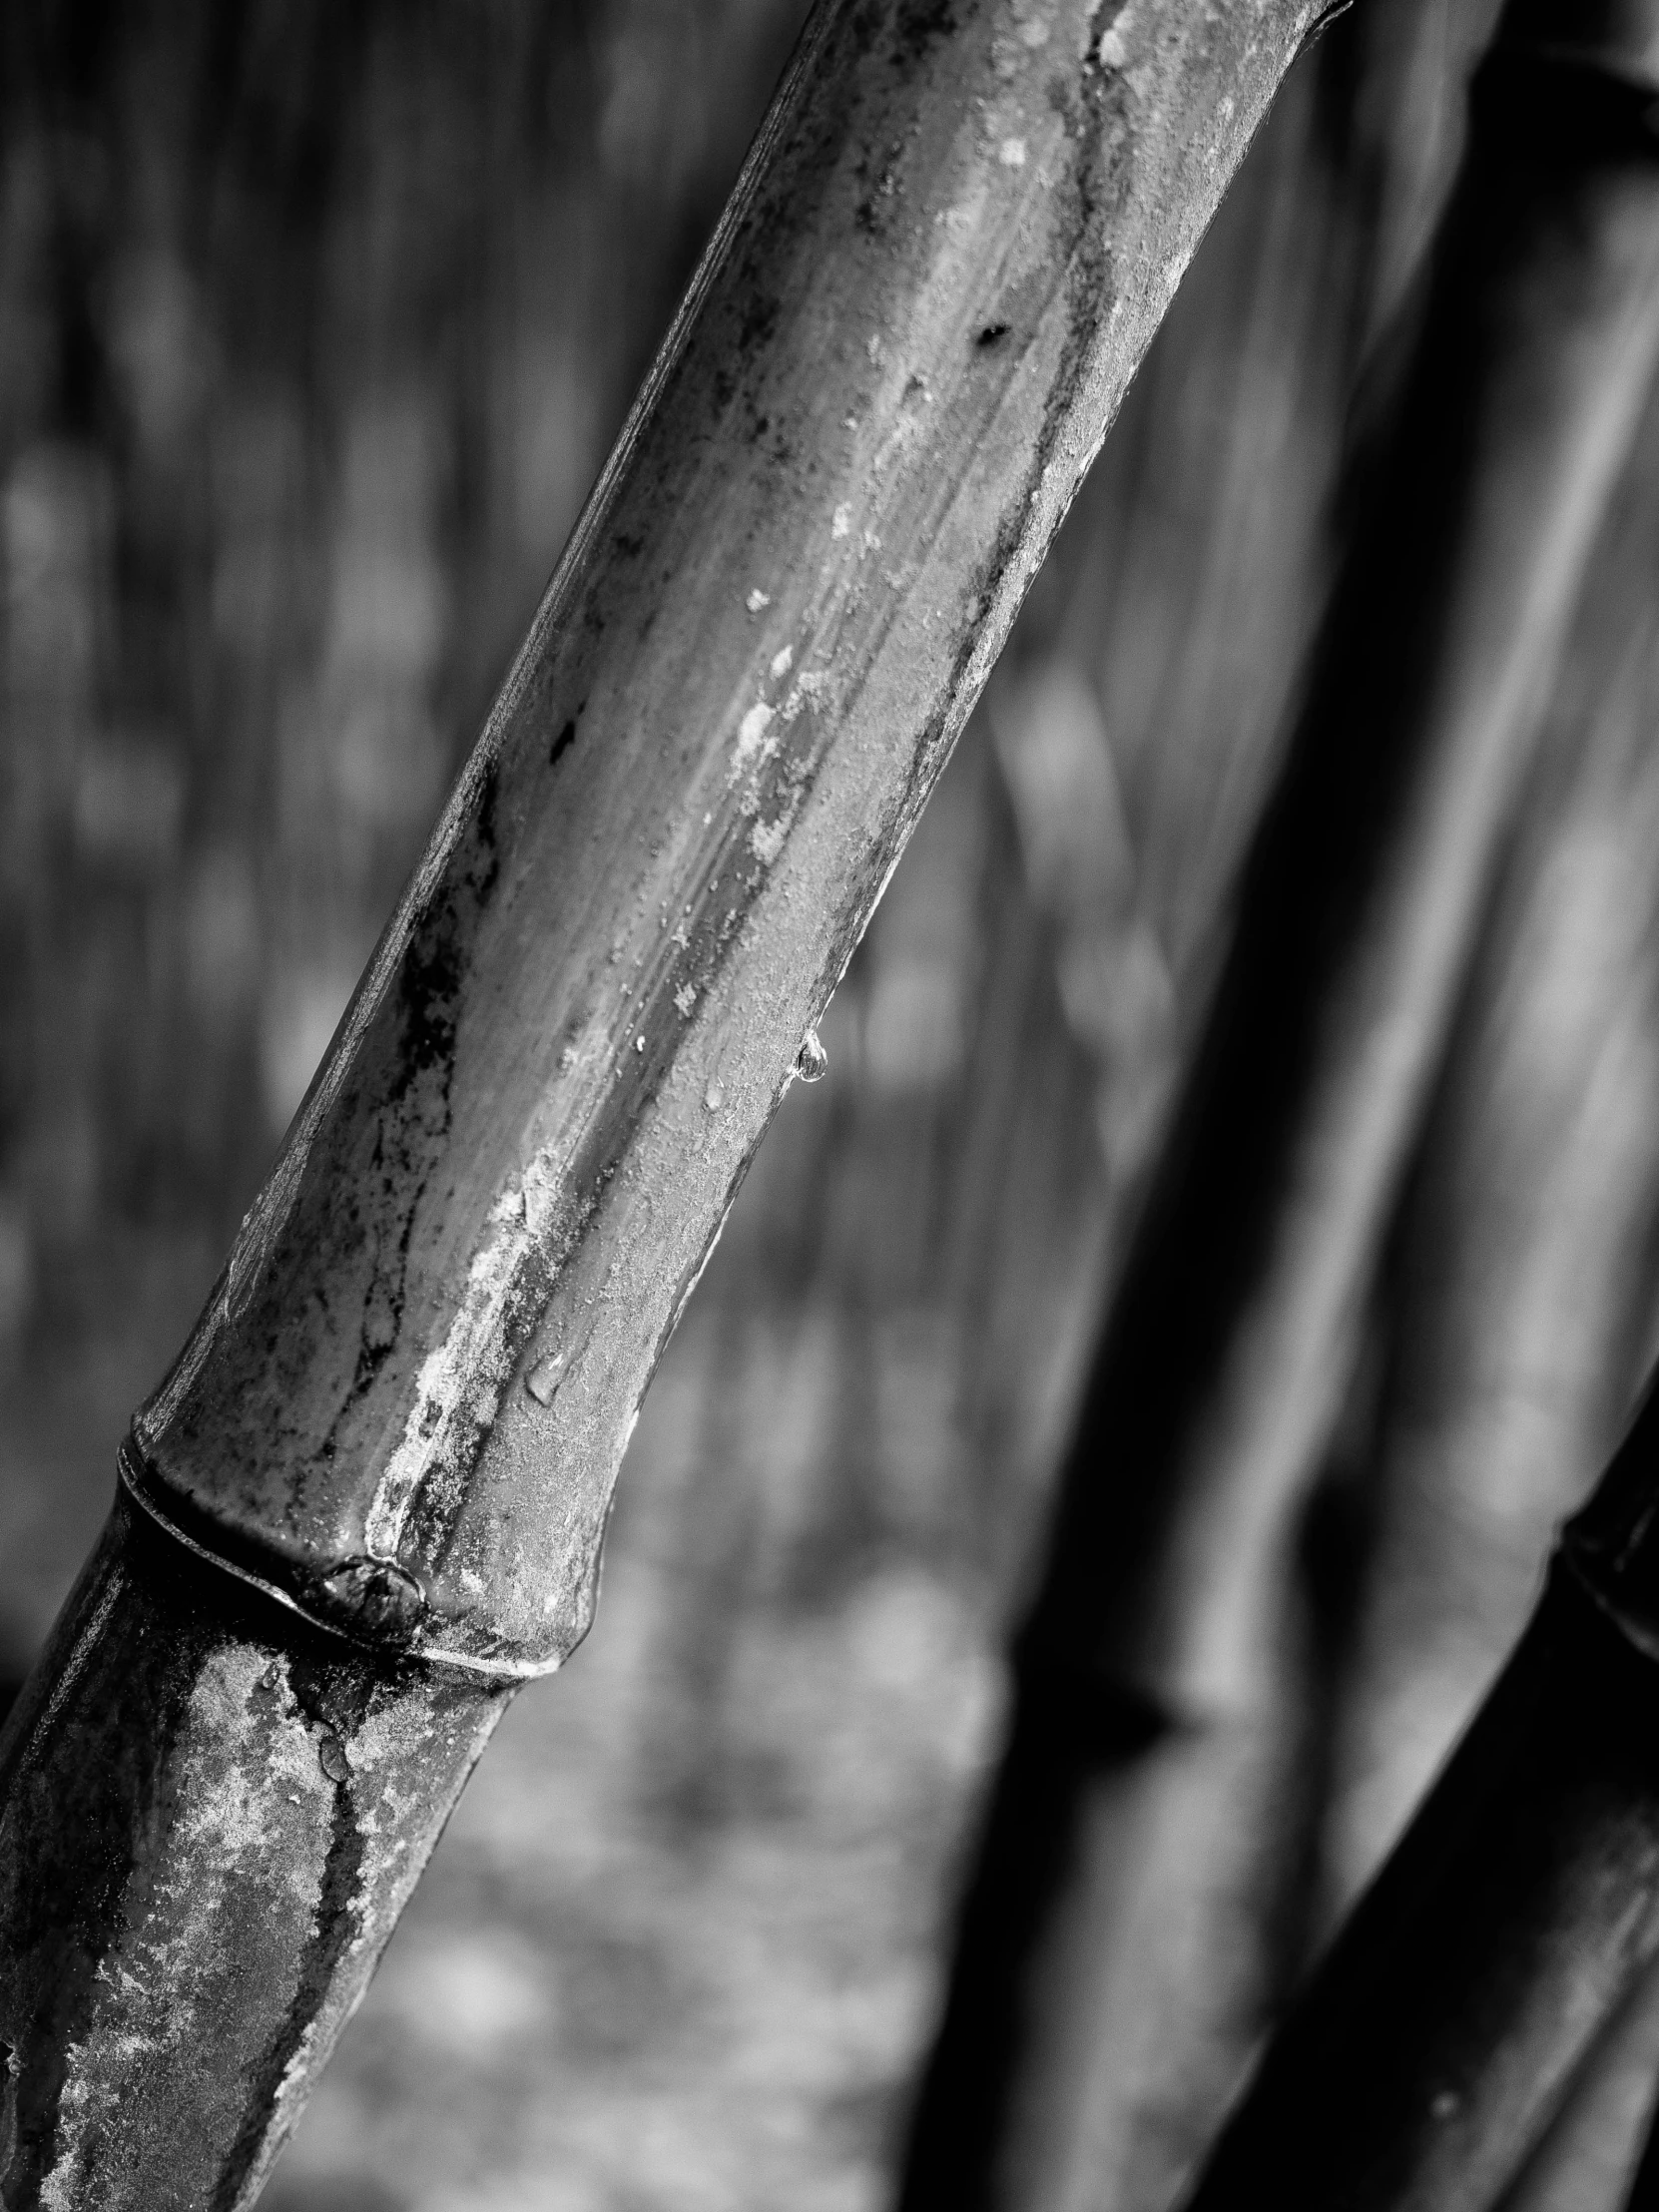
750 734
464 1374
765 840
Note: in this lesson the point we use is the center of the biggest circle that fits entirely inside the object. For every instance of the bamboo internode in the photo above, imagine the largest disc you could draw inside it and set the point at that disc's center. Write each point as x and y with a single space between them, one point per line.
945 256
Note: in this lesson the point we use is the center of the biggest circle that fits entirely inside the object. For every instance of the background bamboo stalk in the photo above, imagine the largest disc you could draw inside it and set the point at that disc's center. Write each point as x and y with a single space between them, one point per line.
1452 2013
1522 1285
1231 436
1520 1290
1234 1326
1522 1279
1644 2188
1589 2157
1192 641
513 1163
1497 2028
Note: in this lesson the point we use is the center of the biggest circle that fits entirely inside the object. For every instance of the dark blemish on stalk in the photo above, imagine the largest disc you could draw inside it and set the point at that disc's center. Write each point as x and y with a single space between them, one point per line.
873 208
919 26
760 317
414 1121
562 745
374 1598
991 333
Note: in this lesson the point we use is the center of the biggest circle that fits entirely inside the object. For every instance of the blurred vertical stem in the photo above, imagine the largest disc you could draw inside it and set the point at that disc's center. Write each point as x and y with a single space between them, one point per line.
1448 2020
1084 2051
1523 1287
1644 2187
369 1496
1523 1279
1587 2160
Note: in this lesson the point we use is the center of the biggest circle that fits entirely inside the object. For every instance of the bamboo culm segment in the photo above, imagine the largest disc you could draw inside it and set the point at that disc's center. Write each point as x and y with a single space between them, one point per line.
399 1417
404 1405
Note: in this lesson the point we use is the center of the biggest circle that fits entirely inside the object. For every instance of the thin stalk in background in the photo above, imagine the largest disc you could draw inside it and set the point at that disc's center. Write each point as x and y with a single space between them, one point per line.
1587 2157
1522 1284
1484 2031
1644 2187
1070 2066
1446 2026
1522 1288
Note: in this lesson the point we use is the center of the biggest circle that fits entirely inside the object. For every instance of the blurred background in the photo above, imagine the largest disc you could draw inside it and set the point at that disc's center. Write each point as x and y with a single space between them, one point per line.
316 322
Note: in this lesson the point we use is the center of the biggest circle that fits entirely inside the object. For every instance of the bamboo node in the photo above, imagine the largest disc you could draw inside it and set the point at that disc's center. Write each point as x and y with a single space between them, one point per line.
376 1598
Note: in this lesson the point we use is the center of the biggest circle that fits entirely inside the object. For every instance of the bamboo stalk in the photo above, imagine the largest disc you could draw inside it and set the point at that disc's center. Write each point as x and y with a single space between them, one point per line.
1232 1334
399 1417
1587 2160
1523 1292
1522 1904
1522 1280
1485 2029
1644 2187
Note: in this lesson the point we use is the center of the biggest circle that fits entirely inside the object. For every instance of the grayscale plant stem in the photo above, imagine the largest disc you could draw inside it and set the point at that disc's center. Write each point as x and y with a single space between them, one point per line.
369 1496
